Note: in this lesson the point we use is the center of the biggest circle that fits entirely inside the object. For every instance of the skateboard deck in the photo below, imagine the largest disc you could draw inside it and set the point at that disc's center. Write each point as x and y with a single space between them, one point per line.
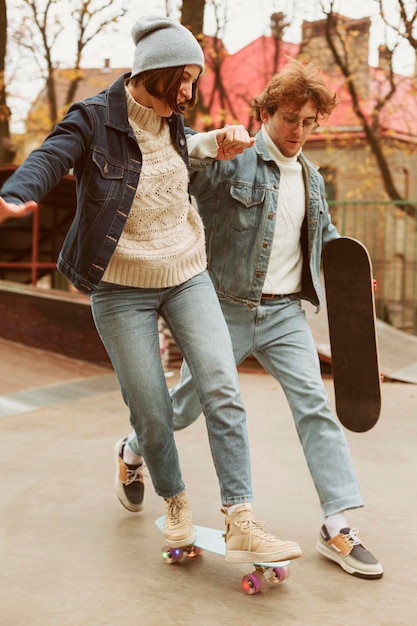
212 540
353 342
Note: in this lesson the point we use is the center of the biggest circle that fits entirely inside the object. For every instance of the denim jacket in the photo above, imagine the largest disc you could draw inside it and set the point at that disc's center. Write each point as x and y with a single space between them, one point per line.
96 141
238 201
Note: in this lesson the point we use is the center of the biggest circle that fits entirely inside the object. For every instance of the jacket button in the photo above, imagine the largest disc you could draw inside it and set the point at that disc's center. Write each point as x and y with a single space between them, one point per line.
264 245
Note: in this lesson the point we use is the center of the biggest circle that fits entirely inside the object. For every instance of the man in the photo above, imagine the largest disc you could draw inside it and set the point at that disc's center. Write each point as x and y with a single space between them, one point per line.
266 221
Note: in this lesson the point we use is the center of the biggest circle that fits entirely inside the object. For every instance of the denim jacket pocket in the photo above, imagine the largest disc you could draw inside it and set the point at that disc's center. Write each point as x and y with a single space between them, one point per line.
106 185
245 207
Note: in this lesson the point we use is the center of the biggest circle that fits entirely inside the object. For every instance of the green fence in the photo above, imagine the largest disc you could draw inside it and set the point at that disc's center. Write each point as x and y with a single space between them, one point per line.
389 231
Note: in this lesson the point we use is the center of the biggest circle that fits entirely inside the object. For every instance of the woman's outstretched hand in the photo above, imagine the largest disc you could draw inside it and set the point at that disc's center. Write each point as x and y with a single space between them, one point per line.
8 210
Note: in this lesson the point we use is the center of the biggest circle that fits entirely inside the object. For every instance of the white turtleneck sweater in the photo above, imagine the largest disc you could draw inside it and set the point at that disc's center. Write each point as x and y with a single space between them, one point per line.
162 243
286 261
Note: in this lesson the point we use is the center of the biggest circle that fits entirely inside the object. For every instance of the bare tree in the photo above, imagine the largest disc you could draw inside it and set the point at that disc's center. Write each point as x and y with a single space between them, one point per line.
342 48
192 16
41 30
7 149
407 24
215 59
215 54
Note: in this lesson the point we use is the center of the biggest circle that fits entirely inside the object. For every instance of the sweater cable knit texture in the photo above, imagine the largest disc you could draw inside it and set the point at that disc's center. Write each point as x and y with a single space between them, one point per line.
162 244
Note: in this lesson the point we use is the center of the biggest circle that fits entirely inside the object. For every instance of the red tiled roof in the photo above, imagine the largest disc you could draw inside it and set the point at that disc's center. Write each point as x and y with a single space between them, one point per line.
245 73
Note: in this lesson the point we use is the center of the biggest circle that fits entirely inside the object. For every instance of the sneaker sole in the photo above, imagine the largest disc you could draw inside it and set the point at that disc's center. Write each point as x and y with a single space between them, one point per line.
181 543
133 508
244 556
330 554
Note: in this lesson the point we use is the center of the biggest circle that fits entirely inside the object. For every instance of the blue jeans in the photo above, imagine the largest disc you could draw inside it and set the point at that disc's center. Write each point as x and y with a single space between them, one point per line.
126 319
278 335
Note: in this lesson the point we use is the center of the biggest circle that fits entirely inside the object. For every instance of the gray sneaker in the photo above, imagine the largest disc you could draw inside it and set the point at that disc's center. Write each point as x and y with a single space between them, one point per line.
347 550
128 481
178 527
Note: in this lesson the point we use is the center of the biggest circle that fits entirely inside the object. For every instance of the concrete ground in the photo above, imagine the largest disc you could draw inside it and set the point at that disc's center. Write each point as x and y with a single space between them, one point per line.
72 556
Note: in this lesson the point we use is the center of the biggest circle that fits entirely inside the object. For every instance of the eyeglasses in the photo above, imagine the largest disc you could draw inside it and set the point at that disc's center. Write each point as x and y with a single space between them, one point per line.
308 125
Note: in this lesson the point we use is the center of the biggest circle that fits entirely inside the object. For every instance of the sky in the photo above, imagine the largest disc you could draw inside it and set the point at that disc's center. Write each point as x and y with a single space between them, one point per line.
246 20
249 19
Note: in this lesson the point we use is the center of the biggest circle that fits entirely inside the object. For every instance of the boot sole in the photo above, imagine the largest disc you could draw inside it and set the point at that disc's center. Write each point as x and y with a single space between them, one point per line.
244 556
181 543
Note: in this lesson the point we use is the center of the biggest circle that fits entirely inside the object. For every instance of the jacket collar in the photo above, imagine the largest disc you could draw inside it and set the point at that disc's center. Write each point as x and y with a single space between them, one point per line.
116 106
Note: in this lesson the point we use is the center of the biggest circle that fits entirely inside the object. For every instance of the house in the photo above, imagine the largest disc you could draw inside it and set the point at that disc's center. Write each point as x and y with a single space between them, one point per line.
90 81
245 73
339 145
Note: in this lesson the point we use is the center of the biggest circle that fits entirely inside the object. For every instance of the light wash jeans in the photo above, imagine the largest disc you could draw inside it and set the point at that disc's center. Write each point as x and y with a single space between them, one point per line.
278 335
126 319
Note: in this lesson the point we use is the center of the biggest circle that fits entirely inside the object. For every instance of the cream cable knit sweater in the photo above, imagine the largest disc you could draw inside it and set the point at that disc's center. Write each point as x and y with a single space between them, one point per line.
162 244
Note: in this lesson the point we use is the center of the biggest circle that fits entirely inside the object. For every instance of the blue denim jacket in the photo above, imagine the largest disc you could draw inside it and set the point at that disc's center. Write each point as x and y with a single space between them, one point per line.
238 202
96 141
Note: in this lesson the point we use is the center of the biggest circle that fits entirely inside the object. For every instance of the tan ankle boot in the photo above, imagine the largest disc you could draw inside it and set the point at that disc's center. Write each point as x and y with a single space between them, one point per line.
178 527
248 541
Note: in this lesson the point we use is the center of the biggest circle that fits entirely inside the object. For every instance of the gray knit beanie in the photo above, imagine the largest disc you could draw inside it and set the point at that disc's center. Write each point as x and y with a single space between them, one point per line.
162 42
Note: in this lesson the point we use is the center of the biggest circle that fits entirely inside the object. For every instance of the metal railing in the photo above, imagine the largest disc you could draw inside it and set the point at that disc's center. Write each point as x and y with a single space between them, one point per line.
33 265
389 230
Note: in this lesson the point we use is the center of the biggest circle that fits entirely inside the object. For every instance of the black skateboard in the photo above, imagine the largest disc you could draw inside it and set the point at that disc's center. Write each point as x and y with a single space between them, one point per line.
354 351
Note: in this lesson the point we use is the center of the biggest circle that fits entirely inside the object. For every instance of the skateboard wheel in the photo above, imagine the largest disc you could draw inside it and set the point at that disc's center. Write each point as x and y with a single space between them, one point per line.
253 583
171 555
374 284
279 574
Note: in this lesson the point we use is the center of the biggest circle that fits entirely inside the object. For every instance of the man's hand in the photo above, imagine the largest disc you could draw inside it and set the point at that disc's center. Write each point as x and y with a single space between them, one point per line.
15 210
232 140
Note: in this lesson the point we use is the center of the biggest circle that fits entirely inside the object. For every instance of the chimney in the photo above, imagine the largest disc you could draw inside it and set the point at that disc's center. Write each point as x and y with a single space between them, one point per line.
106 67
355 35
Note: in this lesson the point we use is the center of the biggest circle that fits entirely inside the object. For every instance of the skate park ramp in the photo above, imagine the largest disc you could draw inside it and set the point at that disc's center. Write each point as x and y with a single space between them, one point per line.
397 349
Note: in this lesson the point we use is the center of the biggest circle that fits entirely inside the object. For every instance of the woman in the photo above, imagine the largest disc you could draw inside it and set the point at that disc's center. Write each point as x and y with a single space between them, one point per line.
136 246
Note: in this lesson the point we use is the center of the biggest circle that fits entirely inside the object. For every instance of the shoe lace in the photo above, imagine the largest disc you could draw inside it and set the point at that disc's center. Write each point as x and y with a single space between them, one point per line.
258 529
352 535
175 510
134 474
